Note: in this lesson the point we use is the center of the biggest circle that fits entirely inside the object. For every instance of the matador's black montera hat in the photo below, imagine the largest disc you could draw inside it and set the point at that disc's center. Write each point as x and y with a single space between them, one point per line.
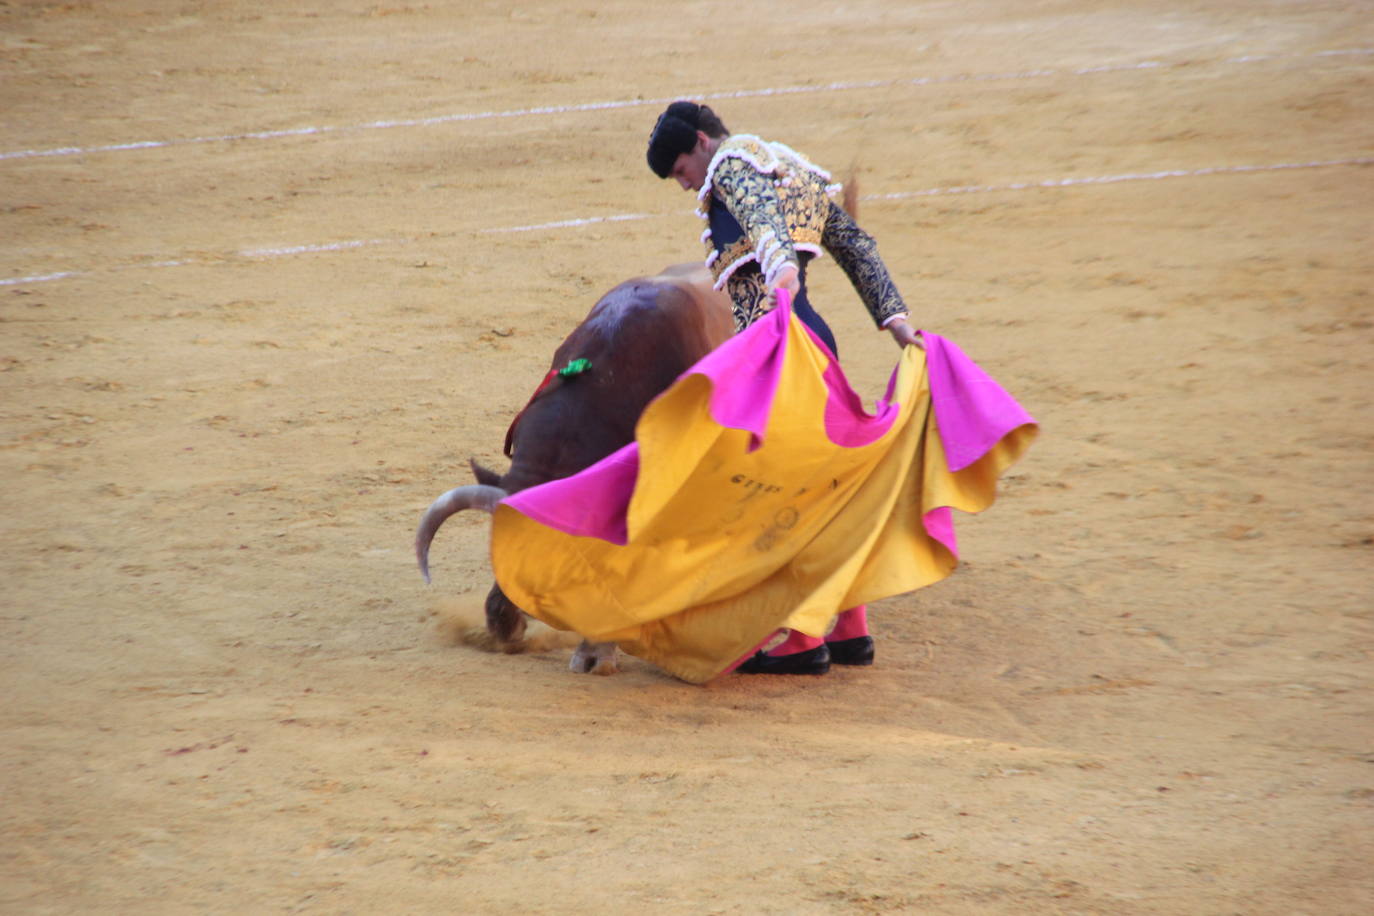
674 134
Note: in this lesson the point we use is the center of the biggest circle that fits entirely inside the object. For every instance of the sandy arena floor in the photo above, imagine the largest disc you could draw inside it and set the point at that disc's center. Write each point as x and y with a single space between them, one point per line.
268 277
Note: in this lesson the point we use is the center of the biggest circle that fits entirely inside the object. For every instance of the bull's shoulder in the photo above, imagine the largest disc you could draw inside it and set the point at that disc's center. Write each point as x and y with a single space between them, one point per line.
678 300
710 305
693 273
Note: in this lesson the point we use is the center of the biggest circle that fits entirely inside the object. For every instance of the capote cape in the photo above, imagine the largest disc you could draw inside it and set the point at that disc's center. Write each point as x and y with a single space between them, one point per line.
759 494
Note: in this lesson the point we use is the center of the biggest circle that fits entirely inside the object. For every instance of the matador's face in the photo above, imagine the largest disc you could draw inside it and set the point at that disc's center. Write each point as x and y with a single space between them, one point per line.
690 168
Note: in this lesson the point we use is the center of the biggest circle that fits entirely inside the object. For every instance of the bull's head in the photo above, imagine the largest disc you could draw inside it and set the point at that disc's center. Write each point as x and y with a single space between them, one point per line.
505 621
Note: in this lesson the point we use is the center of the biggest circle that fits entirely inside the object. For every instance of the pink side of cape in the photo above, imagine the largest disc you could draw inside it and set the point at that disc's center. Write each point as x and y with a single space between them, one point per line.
972 411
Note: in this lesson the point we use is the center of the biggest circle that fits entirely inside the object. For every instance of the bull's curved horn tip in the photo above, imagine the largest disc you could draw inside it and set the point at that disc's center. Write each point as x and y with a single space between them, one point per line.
422 555
472 496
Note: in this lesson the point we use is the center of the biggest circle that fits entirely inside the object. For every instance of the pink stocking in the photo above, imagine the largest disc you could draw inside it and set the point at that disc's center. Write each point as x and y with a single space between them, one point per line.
850 624
795 642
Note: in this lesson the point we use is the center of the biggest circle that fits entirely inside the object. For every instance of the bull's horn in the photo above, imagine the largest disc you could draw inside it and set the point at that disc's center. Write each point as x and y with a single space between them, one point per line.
472 496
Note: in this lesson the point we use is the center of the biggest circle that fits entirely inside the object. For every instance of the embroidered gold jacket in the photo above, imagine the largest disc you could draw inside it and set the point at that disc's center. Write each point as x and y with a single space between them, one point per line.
768 206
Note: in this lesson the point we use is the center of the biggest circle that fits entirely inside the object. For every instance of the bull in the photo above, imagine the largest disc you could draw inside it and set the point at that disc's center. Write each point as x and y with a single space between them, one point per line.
632 345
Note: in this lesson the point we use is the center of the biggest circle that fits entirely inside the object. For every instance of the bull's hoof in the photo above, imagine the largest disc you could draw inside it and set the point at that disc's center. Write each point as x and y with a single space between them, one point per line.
605 667
603 660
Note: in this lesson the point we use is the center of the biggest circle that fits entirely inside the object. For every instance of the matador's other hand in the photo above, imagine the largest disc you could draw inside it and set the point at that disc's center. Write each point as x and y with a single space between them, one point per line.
787 279
905 334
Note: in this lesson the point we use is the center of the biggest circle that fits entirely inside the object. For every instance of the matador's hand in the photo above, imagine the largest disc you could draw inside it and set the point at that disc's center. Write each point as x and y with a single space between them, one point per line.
905 334
787 279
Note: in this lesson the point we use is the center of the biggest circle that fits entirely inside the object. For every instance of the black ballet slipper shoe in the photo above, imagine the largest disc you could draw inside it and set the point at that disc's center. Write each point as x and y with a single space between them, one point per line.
856 651
812 661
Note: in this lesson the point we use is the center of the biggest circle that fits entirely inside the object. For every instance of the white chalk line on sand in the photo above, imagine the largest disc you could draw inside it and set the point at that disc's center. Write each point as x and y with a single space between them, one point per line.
311 249
573 223
1113 179
989 188
281 252
251 253
639 103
